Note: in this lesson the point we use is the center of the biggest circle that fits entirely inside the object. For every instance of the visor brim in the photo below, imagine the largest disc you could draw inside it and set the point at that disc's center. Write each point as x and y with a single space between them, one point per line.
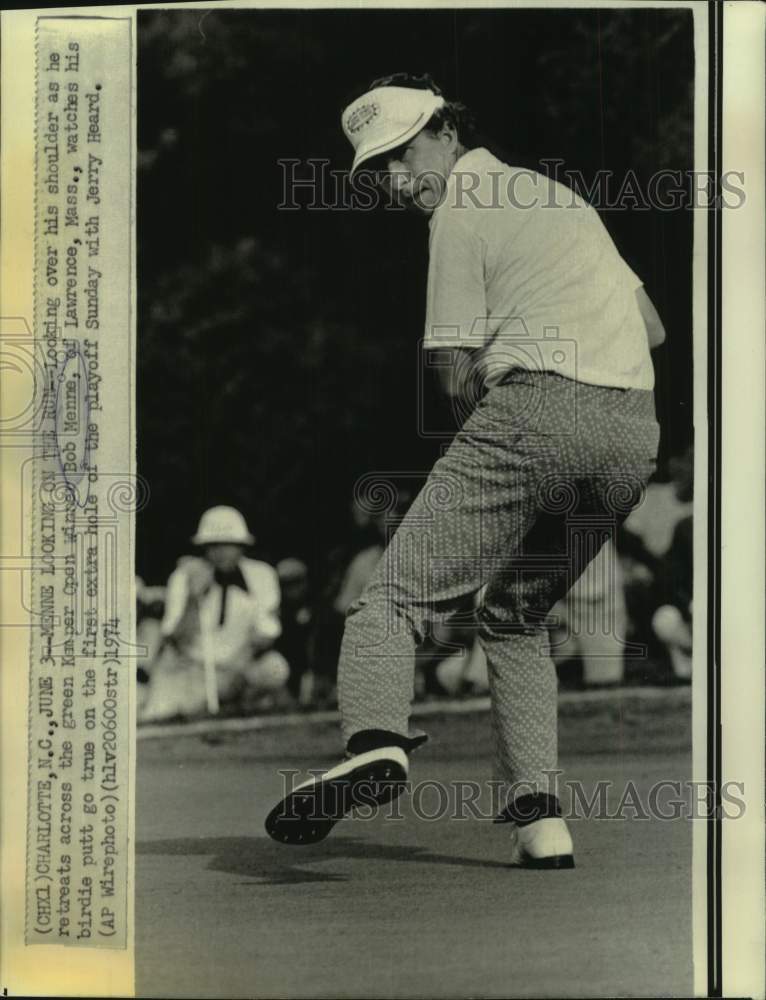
367 152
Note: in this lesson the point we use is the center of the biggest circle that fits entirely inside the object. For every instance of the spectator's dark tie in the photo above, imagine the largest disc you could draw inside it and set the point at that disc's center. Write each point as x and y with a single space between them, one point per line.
230 578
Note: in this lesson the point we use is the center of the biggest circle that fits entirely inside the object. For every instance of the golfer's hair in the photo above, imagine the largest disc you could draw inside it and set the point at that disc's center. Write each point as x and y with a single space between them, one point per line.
454 114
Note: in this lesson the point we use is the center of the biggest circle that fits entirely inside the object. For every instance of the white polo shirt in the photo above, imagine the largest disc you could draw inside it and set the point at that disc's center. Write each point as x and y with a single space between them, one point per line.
522 267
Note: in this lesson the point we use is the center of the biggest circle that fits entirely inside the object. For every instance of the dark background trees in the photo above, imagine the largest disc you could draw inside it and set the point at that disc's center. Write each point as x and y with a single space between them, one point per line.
277 349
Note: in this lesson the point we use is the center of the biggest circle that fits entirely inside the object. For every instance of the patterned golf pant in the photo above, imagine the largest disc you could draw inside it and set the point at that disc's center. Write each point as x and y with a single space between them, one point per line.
541 474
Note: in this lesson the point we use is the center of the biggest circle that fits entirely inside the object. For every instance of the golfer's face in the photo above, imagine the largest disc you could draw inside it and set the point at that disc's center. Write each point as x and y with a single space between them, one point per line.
415 175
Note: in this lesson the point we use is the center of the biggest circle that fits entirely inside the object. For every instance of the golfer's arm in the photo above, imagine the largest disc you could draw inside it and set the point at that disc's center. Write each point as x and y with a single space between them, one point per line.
655 331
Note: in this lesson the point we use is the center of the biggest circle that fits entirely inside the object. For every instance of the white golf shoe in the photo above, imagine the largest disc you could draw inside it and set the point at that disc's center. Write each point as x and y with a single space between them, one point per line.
544 843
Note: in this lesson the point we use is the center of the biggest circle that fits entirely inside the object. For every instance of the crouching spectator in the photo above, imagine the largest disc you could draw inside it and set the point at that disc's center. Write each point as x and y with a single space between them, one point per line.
592 622
220 623
296 615
656 549
672 621
150 607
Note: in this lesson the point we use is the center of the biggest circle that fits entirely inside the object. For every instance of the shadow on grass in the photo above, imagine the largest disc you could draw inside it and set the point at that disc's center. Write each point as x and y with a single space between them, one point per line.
268 863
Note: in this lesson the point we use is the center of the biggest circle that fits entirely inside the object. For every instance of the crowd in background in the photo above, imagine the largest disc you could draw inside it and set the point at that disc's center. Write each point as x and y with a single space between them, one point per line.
229 634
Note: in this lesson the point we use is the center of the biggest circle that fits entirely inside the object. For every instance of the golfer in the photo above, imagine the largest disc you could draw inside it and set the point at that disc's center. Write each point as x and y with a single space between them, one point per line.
529 299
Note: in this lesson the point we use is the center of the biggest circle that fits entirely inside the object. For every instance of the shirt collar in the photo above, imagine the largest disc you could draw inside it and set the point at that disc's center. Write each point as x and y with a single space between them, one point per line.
234 578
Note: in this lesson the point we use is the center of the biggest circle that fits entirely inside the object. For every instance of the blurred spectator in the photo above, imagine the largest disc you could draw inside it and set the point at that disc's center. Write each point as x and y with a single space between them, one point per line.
656 548
672 621
358 572
653 522
348 569
593 621
150 605
221 619
451 662
150 601
297 618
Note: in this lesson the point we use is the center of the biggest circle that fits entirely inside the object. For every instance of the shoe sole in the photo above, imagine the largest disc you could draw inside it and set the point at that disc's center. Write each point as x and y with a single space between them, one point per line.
310 811
556 861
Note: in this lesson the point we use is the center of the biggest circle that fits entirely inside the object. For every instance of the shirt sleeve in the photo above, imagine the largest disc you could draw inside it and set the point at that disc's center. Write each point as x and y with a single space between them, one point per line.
456 308
176 596
633 279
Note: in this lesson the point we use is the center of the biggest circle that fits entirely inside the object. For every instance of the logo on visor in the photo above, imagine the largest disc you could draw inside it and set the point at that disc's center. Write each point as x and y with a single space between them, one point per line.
362 116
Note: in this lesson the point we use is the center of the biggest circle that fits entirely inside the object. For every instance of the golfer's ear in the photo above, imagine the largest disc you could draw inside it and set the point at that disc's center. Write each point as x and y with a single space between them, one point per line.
448 136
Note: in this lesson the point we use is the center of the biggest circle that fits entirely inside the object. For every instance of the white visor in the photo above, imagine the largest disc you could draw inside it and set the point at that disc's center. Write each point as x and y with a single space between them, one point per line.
385 118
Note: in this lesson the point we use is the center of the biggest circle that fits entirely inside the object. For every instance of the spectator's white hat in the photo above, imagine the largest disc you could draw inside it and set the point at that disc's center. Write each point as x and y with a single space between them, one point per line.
220 525
385 118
